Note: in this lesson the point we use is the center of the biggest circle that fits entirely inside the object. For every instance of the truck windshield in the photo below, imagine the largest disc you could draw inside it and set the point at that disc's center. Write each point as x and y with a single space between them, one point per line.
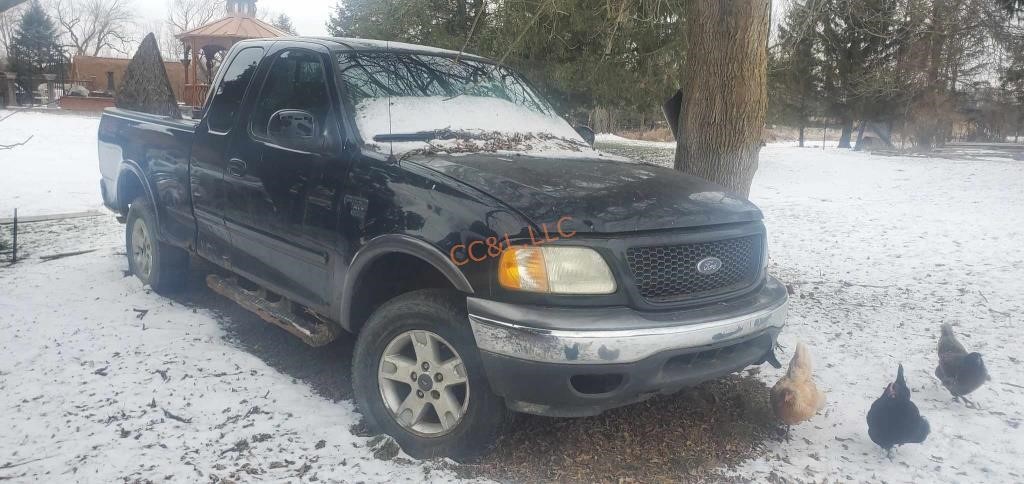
428 103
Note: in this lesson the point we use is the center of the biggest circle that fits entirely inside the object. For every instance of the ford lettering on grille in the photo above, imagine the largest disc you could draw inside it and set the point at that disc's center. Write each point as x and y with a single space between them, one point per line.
709 265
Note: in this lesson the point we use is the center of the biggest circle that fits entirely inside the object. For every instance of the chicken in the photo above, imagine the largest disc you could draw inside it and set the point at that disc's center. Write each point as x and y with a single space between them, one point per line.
894 419
959 371
795 398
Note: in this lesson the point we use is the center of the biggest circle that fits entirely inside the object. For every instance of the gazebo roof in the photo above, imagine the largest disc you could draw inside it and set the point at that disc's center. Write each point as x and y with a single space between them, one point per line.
234 27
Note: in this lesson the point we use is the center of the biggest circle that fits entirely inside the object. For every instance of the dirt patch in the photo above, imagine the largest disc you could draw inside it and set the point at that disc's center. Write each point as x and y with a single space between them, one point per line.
689 436
658 134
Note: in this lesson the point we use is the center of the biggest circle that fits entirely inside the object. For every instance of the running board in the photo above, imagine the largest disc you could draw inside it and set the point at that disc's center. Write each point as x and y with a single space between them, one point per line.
311 330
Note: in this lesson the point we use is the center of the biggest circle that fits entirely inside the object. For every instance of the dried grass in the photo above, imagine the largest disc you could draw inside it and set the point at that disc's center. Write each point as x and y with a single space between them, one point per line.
690 436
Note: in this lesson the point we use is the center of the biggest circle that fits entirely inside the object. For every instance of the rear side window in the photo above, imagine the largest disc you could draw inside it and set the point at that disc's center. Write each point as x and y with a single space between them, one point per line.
228 98
296 81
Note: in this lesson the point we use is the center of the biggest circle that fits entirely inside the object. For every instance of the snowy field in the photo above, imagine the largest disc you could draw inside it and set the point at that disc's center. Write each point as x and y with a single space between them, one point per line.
879 251
56 171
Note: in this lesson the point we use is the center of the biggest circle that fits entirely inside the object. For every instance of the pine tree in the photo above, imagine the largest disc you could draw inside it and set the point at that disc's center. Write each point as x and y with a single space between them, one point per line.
623 54
339 21
284 22
794 73
859 42
34 49
146 87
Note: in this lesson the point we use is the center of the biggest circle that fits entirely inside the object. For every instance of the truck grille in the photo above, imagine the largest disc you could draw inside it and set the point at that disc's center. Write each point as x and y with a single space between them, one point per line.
669 273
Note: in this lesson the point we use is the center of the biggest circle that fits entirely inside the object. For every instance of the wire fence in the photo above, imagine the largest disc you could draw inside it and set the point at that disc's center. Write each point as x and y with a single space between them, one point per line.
43 83
10 250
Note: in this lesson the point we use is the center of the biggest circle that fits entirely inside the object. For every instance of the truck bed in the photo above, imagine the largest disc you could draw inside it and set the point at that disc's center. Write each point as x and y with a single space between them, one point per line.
152 150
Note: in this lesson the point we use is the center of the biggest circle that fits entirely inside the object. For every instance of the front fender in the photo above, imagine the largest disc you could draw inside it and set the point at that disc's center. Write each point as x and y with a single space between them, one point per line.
391 244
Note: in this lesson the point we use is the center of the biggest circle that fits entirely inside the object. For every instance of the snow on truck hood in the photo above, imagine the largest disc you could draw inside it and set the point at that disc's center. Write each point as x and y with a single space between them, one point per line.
495 124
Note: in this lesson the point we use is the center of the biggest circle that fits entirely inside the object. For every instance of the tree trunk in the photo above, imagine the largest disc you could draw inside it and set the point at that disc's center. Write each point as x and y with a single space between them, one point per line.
860 137
938 41
844 138
801 135
724 91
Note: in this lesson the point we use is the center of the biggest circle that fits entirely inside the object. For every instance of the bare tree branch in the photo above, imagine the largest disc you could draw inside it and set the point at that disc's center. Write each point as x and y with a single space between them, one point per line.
185 15
93 26
15 145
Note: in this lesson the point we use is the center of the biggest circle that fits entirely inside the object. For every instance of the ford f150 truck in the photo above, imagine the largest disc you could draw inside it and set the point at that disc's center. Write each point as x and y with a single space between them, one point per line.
433 206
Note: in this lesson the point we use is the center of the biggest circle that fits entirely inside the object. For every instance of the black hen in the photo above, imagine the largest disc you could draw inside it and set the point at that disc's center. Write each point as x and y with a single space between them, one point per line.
959 371
894 419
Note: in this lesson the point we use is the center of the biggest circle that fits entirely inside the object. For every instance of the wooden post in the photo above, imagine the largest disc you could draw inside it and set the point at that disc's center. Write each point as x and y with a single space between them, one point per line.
14 244
195 69
823 132
51 91
12 92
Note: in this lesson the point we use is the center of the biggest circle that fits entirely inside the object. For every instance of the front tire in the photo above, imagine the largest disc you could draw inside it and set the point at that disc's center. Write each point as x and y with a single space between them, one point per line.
418 377
161 266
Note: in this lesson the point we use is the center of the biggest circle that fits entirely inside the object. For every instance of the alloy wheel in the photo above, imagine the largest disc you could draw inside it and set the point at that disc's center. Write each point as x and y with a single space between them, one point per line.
142 249
423 383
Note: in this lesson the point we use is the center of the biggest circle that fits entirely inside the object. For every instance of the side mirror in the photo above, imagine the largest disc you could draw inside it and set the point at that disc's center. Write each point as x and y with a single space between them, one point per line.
293 128
587 134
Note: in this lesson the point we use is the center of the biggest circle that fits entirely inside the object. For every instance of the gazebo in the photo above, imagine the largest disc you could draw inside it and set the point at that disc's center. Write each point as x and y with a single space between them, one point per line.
211 41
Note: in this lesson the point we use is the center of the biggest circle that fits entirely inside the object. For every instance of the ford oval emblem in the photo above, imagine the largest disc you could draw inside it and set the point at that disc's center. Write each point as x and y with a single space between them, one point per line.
709 265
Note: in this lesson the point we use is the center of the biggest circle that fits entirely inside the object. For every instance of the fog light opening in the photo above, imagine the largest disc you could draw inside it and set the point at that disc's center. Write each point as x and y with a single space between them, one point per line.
595 384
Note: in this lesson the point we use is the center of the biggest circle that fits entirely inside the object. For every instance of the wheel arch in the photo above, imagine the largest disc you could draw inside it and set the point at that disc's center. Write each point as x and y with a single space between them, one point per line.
131 183
415 256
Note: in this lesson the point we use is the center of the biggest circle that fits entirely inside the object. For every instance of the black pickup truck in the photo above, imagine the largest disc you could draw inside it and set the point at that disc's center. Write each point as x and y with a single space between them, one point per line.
432 205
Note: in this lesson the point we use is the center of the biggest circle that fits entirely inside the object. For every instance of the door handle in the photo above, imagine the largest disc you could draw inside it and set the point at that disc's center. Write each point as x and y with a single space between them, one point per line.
237 167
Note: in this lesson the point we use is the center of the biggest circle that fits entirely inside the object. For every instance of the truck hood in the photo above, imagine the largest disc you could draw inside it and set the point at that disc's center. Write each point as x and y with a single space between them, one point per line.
600 195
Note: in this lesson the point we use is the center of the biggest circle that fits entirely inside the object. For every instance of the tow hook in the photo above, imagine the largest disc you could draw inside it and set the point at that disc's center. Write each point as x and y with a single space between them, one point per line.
773 360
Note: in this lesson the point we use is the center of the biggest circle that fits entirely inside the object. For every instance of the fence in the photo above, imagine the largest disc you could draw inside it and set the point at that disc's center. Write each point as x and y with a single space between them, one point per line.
48 82
13 250
605 120
195 94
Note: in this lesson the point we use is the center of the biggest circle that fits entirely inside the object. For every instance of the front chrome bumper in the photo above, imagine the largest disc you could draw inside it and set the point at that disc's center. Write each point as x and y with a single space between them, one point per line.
620 335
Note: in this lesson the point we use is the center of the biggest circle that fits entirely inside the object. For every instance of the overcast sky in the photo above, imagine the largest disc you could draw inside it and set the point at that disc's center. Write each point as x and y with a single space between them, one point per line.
309 16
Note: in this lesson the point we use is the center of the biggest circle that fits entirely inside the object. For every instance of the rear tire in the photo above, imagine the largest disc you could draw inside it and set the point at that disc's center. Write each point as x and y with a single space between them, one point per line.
400 330
161 266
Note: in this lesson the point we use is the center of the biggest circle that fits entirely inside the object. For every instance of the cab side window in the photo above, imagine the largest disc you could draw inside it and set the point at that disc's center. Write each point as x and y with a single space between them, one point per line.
228 99
297 82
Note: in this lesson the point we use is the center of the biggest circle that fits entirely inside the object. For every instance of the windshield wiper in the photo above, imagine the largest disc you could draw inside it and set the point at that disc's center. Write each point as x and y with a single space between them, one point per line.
416 136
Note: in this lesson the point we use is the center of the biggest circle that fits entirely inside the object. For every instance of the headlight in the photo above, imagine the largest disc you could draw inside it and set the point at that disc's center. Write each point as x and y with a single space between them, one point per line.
561 270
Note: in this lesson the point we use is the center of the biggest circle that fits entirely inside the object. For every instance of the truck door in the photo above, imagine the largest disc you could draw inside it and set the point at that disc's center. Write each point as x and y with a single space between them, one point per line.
210 153
292 190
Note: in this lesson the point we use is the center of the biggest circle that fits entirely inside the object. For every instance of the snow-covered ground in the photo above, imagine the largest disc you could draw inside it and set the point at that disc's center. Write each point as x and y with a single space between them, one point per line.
91 390
879 252
55 172
882 251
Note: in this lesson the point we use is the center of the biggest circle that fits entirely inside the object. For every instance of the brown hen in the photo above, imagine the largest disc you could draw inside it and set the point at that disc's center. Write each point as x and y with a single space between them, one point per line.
795 398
